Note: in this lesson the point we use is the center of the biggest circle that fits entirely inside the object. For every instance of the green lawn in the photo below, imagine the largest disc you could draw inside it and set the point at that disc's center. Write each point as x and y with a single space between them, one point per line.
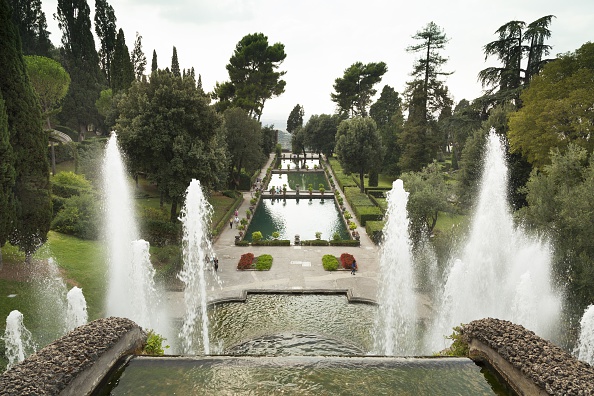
446 221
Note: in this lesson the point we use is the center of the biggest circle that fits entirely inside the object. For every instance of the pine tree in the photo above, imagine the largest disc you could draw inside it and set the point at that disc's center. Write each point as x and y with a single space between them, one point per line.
31 24
175 64
29 142
138 58
154 65
81 62
122 69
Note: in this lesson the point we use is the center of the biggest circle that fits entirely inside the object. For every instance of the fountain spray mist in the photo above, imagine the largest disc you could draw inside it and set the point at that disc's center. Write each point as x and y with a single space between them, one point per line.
76 313
18 340
585 348
501 272
131 289
394 327
195 217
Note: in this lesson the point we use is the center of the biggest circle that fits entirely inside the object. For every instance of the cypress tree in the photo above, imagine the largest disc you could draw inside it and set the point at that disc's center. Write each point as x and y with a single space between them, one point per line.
105 27
81 62
175 64
122 69
29 143
154 62
29 19
138 58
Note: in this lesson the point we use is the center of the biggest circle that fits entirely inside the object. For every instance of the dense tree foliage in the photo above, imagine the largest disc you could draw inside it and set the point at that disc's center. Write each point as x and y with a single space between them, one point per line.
122 69
359 147
388 116
354 90
320 133
154 65
557 108
428 196
560 204
31 23
81 61
7 179
32 204
295 119
244 138
253 74
105 27
169 130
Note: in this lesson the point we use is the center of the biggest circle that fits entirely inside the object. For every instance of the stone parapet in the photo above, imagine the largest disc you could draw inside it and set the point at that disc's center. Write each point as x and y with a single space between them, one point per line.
530 364
76 363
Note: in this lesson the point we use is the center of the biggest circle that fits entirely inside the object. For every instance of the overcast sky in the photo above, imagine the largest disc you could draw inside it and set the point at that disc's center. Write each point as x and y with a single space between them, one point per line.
324 37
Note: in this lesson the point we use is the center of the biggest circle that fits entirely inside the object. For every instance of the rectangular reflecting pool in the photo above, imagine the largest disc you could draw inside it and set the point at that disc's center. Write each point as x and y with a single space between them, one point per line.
301 375
303 179
294 164
303 216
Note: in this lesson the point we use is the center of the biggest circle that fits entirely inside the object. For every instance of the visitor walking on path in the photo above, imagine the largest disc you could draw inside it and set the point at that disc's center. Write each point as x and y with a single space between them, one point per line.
354 267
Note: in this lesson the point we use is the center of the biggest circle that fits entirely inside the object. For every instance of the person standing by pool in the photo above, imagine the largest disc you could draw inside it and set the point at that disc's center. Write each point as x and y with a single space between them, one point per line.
354 267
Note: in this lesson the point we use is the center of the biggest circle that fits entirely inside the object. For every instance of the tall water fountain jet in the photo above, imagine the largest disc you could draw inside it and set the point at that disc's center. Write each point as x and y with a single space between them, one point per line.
585 348
195 217
394 327
18 340
501 272
50 299
131 289
76 313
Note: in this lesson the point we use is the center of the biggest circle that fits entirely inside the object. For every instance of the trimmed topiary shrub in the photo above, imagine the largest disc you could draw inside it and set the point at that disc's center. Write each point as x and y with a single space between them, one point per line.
329 262
345 242
315 242
263 262
256 236
245 261
346 260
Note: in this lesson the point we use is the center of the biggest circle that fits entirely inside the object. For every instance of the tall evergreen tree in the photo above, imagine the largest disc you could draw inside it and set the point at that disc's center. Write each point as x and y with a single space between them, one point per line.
122 69
81 62
427 70
31 24
295 119
515 42
28 140
154 65
175 64
105 27
138 58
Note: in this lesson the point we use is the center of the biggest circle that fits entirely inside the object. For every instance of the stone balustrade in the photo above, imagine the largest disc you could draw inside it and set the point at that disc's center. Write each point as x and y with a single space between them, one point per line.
528 363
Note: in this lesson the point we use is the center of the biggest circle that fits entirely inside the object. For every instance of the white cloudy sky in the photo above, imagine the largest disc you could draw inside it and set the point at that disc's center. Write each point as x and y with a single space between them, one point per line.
323 37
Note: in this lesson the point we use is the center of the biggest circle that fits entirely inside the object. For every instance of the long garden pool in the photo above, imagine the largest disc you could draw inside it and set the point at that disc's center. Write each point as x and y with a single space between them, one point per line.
303 217
301 179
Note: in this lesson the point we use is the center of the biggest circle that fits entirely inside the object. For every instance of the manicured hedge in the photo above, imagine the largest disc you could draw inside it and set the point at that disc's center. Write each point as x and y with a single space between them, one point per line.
330 262
315 242
345 242
368 213
242 243
272 242
356 198
375 230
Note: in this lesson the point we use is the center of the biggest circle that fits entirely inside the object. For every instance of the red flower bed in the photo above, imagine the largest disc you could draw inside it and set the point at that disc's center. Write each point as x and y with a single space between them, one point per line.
346 260
246 261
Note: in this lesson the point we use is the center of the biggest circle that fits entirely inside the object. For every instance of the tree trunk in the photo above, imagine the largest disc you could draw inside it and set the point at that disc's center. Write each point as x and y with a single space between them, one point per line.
173 214
362 181
53 158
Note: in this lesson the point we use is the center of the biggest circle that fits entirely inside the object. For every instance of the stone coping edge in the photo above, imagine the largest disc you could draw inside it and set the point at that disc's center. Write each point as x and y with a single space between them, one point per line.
530 364
244 293
75 363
